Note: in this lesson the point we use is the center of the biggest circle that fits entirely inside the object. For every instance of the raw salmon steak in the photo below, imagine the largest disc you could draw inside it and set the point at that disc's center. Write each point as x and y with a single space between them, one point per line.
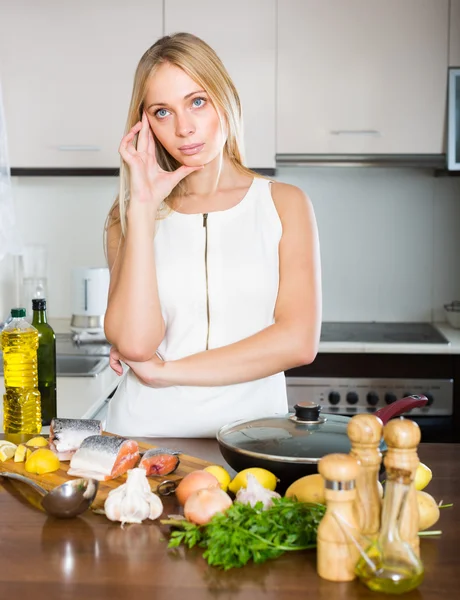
66 435
159 461
104 457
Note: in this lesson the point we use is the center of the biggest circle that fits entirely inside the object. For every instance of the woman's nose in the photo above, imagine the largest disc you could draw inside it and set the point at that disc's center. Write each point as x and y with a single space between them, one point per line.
184 125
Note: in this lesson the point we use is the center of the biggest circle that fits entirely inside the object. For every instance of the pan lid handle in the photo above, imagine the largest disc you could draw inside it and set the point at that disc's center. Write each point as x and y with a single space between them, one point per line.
307 411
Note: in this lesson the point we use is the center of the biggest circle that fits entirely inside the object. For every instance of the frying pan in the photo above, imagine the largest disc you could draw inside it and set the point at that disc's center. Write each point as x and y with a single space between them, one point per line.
291 446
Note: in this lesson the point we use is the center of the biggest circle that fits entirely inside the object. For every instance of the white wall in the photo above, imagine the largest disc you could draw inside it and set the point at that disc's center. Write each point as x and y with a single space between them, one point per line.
390 238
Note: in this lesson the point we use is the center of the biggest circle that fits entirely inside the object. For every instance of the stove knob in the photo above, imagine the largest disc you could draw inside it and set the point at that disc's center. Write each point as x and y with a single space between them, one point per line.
390 398
334 397
430 399
352 398
372 398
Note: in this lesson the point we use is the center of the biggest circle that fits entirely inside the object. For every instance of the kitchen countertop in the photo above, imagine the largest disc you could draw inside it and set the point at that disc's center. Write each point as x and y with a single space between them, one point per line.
451 334
90 557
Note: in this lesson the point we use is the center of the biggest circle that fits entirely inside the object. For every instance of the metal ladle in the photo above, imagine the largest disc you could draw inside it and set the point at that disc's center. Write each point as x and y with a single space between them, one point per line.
65 501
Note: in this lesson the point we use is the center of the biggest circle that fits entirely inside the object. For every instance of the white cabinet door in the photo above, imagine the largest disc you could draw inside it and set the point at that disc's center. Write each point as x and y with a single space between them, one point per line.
362 76
454 34
243 33
67 70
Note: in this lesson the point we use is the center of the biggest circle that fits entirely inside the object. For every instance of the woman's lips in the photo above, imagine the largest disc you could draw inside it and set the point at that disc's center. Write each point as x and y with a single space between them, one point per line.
191 149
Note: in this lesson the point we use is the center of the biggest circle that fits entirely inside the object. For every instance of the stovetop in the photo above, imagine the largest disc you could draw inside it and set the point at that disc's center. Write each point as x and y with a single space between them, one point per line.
382 333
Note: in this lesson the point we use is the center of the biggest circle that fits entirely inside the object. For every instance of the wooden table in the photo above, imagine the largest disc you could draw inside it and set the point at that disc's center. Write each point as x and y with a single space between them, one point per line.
91 558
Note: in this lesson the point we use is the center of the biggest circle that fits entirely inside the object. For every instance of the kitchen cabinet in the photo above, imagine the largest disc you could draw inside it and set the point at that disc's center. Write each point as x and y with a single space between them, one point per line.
66 70
454 33
244 37
362 76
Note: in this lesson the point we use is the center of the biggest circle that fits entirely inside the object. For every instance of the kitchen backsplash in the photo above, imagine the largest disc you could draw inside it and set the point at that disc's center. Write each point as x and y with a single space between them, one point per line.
390 238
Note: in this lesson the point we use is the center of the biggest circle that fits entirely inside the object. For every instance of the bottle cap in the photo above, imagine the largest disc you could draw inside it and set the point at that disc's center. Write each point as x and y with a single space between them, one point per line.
39 304
18 312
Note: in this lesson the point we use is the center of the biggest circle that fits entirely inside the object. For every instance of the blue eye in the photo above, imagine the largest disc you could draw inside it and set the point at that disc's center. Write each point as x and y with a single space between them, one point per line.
161 113
202 100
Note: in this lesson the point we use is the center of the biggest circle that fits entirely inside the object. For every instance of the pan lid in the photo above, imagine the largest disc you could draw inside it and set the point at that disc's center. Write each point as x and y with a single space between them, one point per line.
304 436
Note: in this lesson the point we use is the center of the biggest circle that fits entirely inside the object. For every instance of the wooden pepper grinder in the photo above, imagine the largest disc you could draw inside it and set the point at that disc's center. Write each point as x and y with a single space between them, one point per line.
337 554
365 433
402 437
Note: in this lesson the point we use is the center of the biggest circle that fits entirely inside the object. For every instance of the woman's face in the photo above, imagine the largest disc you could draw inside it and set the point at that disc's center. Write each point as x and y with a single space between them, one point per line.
182 117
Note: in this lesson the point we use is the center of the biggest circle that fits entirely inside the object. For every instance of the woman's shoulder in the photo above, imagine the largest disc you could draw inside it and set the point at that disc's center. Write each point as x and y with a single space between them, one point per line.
289 199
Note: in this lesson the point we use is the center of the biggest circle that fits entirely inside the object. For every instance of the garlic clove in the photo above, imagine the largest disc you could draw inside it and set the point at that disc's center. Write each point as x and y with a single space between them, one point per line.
255 492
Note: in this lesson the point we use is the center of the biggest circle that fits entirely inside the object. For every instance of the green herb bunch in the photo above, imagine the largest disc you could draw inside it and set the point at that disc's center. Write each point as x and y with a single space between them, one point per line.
244 533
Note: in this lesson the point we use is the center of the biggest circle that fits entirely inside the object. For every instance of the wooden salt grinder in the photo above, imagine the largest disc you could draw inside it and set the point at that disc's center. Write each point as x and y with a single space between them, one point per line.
402 437
337 555
365 433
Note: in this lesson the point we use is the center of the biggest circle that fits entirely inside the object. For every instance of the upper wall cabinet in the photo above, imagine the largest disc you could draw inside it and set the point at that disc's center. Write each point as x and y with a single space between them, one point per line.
454 34
67 70
244 36
362 76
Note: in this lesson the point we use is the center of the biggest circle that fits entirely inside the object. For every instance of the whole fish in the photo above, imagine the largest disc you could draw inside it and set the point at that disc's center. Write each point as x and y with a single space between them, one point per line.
66 435
159 461
104 457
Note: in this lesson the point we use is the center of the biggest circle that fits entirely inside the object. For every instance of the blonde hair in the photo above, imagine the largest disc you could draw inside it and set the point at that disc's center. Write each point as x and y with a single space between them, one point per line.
202 64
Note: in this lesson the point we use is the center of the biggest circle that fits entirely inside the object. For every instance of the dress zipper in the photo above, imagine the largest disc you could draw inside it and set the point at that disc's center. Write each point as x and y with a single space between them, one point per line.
205 225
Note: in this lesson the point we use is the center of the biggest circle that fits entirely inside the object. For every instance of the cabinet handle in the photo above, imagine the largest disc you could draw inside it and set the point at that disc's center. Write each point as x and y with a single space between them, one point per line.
79 148
355 132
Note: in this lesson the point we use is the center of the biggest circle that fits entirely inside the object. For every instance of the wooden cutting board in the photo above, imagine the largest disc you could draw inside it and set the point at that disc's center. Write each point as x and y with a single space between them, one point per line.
51 480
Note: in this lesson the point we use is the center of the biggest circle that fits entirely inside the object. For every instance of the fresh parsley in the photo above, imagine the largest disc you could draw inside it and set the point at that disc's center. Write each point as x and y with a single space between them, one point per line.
245 533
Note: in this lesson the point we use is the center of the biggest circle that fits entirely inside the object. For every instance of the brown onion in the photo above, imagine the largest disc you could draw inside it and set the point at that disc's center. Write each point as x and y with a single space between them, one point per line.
194 481
202 505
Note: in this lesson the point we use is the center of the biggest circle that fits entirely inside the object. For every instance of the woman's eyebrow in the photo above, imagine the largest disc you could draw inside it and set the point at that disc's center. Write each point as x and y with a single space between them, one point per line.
185 98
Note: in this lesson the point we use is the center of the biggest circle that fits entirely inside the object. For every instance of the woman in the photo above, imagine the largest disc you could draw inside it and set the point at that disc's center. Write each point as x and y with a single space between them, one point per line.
215 279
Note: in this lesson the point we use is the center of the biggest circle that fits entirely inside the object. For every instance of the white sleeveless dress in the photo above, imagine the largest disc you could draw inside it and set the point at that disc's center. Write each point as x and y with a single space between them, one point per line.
218 283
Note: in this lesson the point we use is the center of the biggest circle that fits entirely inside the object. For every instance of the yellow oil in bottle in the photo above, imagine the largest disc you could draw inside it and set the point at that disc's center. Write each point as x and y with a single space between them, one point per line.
21 401
389 577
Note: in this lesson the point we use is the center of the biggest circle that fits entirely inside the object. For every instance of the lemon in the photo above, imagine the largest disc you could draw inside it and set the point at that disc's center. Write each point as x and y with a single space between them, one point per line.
220 474
7 443
37 442
423 476
264 477
21 453
42 461
308 489
7 452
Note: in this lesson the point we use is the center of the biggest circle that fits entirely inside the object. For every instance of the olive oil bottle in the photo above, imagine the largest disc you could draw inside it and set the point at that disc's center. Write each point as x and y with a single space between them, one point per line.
21 401
46 360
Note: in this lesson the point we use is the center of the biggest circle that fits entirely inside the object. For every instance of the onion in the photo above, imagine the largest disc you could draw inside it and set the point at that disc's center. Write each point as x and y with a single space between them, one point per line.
194 481
202 505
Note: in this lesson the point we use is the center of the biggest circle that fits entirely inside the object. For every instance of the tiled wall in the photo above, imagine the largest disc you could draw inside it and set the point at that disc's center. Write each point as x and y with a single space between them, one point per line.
390 238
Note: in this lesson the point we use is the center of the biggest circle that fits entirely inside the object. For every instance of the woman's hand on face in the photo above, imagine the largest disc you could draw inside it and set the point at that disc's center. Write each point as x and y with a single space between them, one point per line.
150 184
149 372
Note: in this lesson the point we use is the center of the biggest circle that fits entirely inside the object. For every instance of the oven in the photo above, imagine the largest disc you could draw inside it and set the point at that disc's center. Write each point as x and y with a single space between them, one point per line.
348 383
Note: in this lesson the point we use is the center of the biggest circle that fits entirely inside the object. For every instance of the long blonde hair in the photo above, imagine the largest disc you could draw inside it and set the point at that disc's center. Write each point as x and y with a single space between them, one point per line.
202 64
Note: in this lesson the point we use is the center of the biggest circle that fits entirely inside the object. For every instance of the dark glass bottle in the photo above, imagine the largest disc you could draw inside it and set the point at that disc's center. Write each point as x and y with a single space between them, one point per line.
46 355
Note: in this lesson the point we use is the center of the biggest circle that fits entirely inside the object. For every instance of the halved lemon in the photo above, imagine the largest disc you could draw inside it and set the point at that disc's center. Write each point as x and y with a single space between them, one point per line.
7 452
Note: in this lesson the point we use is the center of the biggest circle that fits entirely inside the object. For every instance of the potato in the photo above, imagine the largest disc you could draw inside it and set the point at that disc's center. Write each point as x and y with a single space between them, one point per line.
308 489
428 510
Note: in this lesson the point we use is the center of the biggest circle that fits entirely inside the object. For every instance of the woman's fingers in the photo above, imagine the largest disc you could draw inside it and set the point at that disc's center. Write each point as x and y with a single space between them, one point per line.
126 142
151 151
114 361
143 139
182 172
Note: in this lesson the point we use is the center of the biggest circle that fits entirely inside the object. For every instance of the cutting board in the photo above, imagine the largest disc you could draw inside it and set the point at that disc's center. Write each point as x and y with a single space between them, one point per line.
51 480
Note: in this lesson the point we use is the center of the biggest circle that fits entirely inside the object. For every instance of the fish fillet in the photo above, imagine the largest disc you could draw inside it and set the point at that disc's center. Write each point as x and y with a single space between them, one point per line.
159 461
104 457
66 435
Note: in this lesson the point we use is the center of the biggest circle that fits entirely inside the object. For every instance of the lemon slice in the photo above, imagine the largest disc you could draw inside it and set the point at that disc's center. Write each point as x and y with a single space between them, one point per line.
7 452
37 442
7 443
21 453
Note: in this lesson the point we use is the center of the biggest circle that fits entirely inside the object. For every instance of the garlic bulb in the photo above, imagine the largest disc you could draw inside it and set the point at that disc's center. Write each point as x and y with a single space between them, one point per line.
133 502
255 492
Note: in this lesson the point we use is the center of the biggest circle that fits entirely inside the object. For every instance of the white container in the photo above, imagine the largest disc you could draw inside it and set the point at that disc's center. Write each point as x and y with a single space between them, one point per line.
452 312
90 289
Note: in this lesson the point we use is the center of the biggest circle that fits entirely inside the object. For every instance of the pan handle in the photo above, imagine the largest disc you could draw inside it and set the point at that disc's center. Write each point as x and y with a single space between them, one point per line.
399 407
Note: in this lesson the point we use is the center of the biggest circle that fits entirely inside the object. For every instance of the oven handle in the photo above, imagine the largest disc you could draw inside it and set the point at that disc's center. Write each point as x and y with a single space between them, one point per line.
400 406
